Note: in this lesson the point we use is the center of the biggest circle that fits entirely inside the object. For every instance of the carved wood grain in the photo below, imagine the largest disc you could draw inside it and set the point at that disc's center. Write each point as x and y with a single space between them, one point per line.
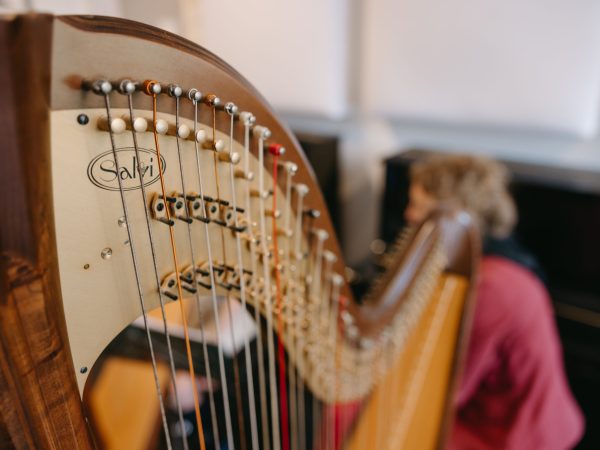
41 408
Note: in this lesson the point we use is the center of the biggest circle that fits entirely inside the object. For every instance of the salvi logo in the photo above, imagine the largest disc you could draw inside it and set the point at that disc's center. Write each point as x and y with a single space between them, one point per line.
102 170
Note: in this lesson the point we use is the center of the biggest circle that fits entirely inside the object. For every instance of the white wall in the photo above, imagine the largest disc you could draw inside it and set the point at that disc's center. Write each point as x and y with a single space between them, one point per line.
531 64
508 78
295 53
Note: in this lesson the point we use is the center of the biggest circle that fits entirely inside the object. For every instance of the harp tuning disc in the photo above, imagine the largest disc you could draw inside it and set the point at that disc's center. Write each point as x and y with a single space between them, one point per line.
117 125
140 124
183 131
231 108
162 126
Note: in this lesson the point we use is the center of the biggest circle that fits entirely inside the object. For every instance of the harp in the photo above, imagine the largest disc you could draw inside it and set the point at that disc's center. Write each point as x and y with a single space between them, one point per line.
142 174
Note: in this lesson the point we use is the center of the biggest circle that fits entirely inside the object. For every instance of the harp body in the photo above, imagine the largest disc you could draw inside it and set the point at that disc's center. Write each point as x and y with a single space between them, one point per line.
69 285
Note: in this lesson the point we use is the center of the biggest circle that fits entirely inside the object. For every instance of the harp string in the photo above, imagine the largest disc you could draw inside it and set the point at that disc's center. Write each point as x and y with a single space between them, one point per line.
248 119
136 272
293 406
155 267
292 306
335 303
311 283
339 347
301 191
184 192
148 89
279 306
327 311
262 134
228 287
247 354
213 289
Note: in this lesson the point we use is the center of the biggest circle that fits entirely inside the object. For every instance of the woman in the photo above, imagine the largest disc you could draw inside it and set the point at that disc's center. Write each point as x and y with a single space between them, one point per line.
514 393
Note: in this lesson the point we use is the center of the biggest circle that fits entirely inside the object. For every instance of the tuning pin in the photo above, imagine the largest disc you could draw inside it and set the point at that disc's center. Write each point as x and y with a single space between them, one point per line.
321 234
257 193
140 124
261 132
152 87
183 131
301 189
337 279
273 213
276 149
233 157
212 100
194 95
291 167
329 256
217 145
100 87
161 126
239 173
126 87
174 91
200 136
312 213
284 232
230 108
117 125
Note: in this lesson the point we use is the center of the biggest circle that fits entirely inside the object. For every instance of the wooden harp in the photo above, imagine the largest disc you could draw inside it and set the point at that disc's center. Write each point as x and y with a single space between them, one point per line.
141 172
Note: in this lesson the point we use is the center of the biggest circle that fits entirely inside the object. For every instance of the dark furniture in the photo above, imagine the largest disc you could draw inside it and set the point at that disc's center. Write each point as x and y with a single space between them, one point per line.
323 155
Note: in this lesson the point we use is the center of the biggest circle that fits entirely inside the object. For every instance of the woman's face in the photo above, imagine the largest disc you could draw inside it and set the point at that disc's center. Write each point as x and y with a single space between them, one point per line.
420 204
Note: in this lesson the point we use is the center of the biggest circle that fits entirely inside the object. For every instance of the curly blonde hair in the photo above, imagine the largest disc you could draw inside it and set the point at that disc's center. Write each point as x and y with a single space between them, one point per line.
478 184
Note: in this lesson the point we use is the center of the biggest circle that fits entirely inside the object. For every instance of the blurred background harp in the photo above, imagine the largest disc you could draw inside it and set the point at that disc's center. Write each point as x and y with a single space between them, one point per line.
163 232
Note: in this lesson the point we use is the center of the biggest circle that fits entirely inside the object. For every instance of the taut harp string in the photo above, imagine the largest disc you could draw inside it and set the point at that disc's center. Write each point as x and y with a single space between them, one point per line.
152 88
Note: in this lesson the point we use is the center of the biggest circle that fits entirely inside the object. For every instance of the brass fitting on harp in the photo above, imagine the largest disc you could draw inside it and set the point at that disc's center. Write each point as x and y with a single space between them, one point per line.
151 87
212 100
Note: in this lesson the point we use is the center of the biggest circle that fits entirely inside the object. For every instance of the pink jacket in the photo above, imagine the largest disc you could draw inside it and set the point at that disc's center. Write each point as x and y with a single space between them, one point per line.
514 393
